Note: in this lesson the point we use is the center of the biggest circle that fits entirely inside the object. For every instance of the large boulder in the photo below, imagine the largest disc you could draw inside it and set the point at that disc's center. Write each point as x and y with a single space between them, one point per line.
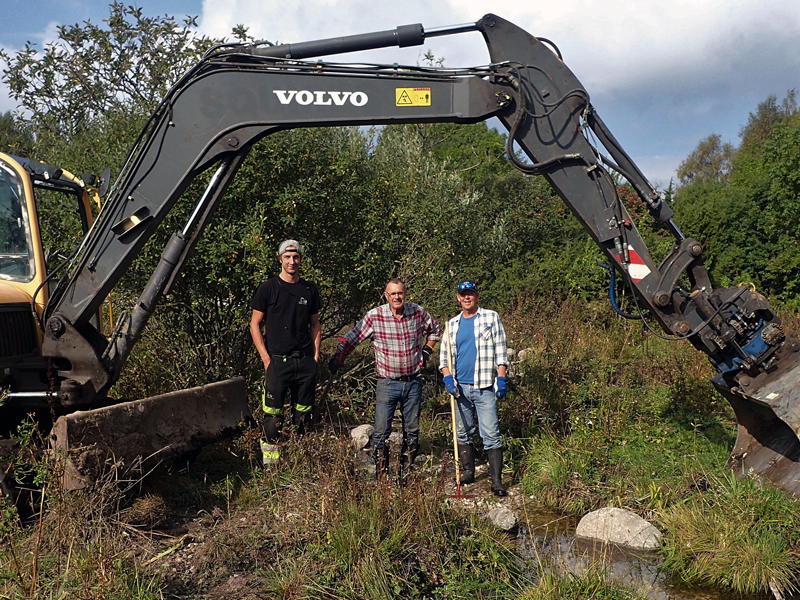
621 527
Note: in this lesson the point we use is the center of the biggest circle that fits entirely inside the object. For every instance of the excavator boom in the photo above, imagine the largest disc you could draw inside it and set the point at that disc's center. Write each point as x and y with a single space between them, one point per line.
240 93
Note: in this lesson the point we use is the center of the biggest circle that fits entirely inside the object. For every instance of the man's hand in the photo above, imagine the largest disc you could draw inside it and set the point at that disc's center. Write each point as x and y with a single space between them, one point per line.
426 354
500 388
450 386
333 364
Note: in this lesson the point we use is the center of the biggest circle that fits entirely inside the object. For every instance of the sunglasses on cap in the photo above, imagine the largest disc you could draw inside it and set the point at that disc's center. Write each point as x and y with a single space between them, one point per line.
467 286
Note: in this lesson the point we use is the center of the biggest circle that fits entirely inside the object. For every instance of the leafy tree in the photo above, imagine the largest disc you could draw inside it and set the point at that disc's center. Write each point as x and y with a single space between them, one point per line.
90 70
15 136
768 114
710 160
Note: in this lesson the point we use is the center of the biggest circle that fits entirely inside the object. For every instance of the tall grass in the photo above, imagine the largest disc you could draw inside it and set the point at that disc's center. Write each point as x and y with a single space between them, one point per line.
737 534
612 418
595 584
598 414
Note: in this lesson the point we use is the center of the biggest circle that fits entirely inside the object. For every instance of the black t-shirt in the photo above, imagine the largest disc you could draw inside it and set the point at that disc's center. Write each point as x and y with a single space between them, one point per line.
288 308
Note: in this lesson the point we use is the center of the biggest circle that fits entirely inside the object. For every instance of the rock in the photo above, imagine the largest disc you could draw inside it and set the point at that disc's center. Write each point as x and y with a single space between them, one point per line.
361 436
523 353
396 439
502 518
621 527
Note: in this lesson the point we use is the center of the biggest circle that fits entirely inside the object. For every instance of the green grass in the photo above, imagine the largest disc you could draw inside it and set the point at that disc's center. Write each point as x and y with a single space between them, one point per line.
597 416
736 534
594 584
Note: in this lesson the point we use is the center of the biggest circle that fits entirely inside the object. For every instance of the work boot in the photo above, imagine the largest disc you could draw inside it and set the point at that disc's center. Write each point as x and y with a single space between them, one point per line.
381 461
466 456
270 453
496 471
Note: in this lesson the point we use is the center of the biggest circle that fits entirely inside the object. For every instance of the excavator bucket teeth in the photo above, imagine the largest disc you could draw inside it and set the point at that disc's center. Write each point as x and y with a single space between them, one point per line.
130 438
767 409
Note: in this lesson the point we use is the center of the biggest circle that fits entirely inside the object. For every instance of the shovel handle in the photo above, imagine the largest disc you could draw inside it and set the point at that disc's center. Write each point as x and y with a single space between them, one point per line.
453 408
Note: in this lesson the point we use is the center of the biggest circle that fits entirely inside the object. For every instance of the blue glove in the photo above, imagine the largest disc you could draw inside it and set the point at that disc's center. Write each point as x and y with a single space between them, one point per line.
500 388
450 386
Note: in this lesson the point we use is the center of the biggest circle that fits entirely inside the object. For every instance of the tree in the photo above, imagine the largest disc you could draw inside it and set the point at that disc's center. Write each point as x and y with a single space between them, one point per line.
91 70
710 160
15 136
768 114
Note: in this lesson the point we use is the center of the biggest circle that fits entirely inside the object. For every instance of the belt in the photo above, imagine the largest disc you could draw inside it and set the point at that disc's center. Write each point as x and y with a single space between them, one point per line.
295 354
404 377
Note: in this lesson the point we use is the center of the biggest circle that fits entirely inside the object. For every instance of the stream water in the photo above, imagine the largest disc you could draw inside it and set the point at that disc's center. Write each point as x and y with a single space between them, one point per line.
548 539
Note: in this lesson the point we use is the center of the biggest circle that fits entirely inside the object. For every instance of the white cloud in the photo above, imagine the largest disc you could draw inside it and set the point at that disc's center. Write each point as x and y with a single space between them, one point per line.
663 74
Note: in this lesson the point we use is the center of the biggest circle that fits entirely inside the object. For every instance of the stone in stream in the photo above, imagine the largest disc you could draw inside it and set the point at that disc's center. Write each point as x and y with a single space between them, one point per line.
502 518
621 527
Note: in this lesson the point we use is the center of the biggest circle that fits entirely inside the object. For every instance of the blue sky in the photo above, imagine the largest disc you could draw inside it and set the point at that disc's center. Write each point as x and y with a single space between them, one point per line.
663 75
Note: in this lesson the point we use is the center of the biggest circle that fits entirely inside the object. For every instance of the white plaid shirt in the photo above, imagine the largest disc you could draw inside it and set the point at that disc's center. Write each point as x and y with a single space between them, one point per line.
490 339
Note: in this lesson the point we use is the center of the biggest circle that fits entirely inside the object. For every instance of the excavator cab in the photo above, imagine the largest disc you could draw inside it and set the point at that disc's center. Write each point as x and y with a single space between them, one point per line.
27 261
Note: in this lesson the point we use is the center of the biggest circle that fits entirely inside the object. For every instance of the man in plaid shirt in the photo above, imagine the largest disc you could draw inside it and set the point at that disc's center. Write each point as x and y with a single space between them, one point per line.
397 330
477 379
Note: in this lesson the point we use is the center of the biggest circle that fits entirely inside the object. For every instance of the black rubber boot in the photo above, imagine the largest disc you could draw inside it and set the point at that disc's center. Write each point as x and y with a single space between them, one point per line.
381 461
466 455
496 471
412 458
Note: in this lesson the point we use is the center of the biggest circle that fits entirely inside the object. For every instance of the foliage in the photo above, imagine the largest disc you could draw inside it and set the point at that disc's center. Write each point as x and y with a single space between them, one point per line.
596 584
711 161
90 70
16 136
768 114
748 221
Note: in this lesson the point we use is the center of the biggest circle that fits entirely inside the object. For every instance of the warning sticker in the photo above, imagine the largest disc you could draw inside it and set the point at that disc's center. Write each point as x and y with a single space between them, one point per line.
412 96
637 269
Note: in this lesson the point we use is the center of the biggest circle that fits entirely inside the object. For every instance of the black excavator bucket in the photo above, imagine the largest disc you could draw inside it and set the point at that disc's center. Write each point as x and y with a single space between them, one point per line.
767 409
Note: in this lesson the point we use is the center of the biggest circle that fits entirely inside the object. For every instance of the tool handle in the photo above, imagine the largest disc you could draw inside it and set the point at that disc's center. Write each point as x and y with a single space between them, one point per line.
453 407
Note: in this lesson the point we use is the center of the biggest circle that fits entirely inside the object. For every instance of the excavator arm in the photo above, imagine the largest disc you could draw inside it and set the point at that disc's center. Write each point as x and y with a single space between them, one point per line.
238 94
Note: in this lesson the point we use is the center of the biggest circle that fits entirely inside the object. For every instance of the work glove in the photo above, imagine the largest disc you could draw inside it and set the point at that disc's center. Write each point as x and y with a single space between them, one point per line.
426 354
333 364
500 388
450 386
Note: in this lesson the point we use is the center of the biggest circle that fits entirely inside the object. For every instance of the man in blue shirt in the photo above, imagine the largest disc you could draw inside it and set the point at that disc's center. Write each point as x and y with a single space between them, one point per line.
477 344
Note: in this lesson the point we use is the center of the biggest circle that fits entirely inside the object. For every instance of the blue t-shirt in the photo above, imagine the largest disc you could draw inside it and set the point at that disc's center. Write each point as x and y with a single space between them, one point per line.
467 351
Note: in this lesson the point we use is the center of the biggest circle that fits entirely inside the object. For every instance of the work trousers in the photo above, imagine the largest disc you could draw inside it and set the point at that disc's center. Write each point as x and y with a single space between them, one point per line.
288 375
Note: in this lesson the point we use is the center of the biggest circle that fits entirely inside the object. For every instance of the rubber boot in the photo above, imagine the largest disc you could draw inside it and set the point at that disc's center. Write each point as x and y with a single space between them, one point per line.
406 465
466 455
412 458
381 461
496 471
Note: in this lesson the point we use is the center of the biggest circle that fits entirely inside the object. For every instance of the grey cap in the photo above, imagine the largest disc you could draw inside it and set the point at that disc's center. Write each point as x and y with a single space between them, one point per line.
288 244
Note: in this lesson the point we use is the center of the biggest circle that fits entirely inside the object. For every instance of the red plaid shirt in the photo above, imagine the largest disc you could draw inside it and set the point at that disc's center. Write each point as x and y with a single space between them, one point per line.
397 343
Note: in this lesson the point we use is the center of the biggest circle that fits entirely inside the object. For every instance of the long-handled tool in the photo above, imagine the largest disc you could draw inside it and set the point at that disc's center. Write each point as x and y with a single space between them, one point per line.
458 493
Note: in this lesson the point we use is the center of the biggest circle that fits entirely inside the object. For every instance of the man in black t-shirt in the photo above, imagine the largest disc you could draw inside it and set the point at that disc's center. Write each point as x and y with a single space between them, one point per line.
288 309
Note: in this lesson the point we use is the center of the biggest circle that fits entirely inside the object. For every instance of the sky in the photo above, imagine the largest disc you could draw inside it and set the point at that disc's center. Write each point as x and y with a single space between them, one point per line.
663 74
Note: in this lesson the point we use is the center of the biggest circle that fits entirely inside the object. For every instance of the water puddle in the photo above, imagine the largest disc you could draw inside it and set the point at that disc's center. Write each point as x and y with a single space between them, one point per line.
548 539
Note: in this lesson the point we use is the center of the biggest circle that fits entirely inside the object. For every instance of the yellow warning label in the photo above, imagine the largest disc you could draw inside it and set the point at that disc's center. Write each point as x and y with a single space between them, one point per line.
412 96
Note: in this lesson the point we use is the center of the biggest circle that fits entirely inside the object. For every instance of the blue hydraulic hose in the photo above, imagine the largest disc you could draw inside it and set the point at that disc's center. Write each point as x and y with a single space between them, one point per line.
611 294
